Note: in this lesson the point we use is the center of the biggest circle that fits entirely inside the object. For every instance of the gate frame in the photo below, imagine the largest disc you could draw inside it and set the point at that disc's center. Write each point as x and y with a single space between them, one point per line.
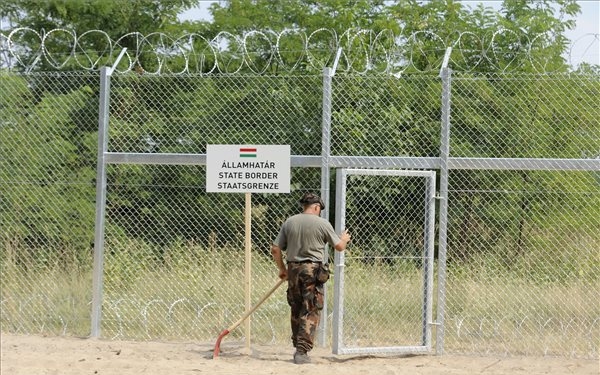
428 254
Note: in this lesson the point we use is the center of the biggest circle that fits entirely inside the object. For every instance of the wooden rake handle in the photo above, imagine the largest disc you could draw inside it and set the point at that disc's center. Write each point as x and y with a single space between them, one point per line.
244 317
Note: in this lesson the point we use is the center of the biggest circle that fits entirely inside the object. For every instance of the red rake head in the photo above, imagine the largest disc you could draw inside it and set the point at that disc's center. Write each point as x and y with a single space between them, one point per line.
218 343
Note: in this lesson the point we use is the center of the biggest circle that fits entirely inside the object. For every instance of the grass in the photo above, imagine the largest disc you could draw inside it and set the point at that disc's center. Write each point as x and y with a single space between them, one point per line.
193 293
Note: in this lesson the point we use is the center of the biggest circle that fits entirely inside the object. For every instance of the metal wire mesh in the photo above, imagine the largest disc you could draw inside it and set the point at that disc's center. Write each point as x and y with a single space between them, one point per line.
523 271
384 269
523 243
174 269
386 116
524 116
48 143
215 110
176 221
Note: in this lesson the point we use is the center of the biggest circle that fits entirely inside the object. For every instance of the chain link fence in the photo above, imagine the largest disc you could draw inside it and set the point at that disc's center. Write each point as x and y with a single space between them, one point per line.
518 272
524 245
48 147
192 242
391 261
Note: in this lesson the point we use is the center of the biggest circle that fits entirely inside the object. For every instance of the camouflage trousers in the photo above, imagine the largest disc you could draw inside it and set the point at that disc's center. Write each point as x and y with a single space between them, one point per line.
305 297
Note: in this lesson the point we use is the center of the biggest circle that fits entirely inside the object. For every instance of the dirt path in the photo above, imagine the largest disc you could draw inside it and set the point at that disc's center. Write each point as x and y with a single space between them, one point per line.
35 355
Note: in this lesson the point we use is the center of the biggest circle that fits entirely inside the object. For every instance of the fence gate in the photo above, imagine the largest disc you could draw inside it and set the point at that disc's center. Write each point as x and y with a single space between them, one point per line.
384 280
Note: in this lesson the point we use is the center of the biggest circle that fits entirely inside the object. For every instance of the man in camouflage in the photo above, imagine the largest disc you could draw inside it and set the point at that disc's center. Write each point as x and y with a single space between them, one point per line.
303 237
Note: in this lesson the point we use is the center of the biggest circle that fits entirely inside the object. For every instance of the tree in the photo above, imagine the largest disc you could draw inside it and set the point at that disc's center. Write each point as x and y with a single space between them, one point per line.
374 115
118 19
43 151
539 25
483 39
524 35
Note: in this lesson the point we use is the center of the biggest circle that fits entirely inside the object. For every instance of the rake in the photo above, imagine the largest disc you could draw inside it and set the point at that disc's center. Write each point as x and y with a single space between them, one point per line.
246 315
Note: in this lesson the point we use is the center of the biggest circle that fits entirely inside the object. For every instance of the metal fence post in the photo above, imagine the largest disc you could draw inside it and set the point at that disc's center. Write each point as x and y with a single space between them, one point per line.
325 177
443 210
100 201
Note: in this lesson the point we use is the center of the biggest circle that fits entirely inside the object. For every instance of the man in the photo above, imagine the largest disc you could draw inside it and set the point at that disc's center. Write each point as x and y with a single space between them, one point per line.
303 237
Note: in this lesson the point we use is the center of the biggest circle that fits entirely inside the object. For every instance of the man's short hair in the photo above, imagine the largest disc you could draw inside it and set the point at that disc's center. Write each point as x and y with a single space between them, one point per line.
310 198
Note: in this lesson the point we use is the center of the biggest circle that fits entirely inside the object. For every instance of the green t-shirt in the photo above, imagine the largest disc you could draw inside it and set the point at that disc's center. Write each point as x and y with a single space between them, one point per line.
303 237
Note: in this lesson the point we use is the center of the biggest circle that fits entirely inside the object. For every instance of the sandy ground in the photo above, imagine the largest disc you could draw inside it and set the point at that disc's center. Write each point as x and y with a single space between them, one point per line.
35 355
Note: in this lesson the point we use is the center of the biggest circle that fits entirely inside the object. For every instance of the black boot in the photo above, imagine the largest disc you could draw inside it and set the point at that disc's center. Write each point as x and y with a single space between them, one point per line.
301 358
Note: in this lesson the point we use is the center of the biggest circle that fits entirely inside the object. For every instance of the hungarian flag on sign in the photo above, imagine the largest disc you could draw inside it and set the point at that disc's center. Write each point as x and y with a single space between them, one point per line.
247 152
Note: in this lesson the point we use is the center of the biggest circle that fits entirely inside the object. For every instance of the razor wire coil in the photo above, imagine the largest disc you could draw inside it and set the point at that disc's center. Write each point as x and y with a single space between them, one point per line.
257 51
465 330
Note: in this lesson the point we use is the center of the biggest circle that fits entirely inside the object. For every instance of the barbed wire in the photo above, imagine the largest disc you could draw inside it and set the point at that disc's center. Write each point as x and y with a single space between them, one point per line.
362 51
134 318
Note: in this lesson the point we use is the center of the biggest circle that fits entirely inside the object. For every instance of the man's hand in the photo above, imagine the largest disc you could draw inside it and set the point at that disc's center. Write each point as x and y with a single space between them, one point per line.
345 236
283 274
344 239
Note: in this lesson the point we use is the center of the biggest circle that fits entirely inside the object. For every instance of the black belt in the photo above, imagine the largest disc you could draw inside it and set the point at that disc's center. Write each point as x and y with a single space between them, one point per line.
306 261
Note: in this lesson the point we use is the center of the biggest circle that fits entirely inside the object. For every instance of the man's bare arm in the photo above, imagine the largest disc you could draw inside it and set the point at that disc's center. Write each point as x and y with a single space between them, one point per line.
344 239
277 256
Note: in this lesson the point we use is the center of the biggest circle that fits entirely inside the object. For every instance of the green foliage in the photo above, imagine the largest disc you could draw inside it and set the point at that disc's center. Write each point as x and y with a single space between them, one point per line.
192 294
40 146
539 20
386 116
49 126
119 19
246 15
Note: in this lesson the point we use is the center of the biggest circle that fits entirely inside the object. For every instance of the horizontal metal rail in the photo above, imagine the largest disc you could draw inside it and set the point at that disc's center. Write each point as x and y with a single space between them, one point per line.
377 162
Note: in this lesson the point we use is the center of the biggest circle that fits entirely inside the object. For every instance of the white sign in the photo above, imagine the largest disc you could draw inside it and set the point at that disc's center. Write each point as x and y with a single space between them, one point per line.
247 168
